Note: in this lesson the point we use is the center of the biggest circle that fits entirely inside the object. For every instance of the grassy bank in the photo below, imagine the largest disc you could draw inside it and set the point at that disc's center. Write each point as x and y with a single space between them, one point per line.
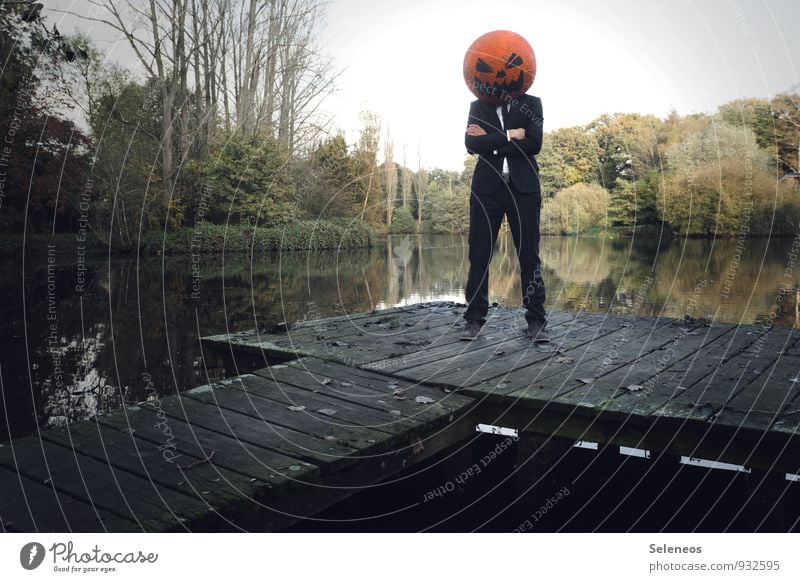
212 238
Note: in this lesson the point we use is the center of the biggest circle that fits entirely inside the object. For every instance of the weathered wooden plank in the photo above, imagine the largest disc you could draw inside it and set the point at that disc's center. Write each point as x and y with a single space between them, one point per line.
340 334
706 398
221 455
363 345
542 368
226 397
261 433
498 335
630 390
760 402
383 393
376 454
482 363
122 493
320 338
29 506
392 324
686 373
378 313
605 335
788 422
584 387
319 406
192 488
502 324
576 357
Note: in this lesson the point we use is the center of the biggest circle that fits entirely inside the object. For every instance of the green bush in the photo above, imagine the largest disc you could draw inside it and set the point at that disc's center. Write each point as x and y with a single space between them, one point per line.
303 235
575 210
403 222
729 198
245 180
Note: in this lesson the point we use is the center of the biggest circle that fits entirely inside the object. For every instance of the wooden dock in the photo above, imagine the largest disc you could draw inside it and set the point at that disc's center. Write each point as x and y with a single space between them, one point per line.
318 410
695 388
257 453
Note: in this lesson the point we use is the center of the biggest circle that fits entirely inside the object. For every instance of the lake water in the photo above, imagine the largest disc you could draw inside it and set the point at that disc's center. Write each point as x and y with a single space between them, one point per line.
69 352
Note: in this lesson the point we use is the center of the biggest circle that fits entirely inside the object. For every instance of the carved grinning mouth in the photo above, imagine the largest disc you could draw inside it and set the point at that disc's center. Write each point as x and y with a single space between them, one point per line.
495 89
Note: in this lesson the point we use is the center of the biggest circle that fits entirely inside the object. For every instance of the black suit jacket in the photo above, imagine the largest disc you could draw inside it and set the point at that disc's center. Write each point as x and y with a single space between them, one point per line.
494 146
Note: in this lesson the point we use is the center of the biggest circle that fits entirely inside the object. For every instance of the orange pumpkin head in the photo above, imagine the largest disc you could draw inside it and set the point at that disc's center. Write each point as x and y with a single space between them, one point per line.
499 66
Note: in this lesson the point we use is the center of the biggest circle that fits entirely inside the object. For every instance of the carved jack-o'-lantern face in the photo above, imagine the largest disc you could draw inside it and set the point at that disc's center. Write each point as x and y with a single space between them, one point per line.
499 66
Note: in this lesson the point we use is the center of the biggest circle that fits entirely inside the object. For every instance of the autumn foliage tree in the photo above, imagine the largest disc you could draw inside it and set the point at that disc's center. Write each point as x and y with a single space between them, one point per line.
43 156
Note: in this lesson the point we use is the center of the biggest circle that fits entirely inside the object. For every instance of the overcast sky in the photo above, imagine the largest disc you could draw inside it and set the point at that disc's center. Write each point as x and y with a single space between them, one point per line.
593 57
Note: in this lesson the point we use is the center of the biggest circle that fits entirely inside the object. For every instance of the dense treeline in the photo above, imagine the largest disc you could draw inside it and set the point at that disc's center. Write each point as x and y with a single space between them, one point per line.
223 128
698 174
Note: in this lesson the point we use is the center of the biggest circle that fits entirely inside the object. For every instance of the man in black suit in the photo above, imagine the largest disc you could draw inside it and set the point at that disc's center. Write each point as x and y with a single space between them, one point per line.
506 139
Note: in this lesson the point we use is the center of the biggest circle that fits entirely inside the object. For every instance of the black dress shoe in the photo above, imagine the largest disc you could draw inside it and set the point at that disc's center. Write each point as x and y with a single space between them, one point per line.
471 330
536 331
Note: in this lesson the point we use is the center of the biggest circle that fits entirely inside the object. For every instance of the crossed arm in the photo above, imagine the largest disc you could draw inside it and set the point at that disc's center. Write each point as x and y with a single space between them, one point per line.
524 141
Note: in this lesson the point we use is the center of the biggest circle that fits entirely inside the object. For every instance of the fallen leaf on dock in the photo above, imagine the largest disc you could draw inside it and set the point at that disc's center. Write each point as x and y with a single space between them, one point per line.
417 343
296 408
327 411
424 400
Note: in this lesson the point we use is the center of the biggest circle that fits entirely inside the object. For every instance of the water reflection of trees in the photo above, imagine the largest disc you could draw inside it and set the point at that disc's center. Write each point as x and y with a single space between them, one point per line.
138 323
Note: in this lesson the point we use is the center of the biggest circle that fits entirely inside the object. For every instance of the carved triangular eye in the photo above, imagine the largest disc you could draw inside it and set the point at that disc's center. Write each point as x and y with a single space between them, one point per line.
483 67
513 61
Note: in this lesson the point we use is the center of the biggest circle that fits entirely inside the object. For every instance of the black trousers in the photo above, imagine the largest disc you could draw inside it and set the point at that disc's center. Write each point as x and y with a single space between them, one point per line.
486 213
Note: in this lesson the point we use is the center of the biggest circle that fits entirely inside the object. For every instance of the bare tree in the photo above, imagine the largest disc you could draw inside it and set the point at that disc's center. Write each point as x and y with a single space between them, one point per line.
422 186
406 181
390 176
280 77
366 159
156 31
260 59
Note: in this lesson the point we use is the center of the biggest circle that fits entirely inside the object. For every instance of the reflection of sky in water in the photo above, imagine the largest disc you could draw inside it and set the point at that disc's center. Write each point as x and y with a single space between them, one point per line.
79 391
